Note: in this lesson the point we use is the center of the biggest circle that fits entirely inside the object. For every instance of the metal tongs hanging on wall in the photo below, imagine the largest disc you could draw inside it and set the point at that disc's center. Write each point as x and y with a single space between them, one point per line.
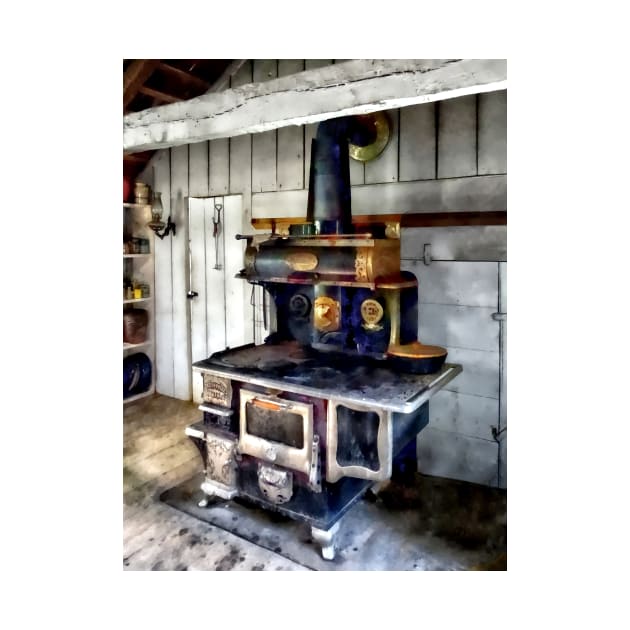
216 230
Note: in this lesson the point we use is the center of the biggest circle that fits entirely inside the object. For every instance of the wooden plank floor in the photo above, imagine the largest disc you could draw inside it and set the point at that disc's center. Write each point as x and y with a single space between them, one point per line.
156 456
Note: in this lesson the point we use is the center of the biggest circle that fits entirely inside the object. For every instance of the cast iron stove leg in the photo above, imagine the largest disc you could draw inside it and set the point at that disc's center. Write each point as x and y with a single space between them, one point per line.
326 539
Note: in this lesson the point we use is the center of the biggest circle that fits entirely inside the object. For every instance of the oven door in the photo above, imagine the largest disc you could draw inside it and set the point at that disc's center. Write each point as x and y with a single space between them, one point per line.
277 431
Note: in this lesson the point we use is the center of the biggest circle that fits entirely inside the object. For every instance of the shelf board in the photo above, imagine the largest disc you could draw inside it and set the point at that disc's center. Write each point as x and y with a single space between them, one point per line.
139 206
136 255
138 300
128 346
149 392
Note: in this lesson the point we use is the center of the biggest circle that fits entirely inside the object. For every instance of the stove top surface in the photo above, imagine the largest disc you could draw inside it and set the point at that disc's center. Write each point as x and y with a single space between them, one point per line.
298 369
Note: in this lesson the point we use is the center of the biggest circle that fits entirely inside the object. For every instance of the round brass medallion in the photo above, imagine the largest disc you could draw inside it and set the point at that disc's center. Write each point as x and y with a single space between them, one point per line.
372 313
383 131
326 314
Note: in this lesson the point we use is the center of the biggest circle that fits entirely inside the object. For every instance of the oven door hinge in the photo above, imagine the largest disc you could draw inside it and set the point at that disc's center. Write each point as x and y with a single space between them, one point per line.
315 474
499 317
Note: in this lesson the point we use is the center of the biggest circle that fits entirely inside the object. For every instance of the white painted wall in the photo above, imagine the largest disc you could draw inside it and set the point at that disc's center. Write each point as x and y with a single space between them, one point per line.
455 146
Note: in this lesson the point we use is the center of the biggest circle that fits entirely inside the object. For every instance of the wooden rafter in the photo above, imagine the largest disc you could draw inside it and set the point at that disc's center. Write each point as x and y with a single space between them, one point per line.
189 78
224 80
134 77
353 87
158 94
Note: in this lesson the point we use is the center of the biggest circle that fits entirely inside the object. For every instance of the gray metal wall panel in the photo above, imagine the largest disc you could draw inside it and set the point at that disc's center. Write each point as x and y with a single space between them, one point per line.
459 326
480 376
492 133
447 454
472 416
357 173
457 137
455 282
503 309
463 194
503 462
487 242
417 142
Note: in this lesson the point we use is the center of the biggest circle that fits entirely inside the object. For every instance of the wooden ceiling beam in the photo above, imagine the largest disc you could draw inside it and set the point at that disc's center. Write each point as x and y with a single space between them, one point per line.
191 79
354 87
136 74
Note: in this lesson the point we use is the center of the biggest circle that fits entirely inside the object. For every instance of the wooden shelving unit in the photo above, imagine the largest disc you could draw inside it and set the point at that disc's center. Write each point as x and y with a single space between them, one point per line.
140 267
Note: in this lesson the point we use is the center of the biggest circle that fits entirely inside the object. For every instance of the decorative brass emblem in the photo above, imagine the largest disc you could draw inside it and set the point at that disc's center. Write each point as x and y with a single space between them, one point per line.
392 230
372 313
360 265
217 390
326 314
302 261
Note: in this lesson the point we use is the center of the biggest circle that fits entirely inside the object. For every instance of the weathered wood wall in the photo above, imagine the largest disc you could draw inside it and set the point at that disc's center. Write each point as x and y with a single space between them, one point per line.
443 156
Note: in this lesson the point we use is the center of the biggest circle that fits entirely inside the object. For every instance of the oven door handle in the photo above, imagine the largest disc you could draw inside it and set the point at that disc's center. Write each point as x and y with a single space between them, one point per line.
270 403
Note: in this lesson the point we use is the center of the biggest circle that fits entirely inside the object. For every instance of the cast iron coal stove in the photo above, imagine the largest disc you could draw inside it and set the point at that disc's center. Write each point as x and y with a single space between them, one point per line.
333 400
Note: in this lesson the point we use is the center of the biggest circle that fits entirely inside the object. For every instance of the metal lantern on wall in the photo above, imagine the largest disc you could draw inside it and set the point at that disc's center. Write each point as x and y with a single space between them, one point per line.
156 223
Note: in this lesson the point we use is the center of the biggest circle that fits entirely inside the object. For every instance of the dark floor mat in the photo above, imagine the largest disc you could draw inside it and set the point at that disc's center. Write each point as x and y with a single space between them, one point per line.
426 524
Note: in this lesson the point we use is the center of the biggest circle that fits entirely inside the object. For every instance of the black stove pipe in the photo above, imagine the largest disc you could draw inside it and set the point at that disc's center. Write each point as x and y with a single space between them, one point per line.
329 207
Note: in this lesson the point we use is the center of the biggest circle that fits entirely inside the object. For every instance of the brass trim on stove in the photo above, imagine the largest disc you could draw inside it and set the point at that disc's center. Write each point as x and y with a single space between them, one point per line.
384 441
274 452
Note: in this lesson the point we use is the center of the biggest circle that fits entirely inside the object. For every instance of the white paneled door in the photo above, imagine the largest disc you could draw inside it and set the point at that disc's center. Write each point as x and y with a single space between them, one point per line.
217 300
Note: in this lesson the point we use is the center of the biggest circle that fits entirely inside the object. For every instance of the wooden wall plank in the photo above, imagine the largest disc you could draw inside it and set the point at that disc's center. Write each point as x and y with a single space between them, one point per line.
290 166
457 137
163 284
311 129
238 312
450 326
197 232
219 167
456 243
447 454
465 194
241 146
264 144
241 182
198 176
181 316
456 282
464 414
417 142
290 66
492 133
384 168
